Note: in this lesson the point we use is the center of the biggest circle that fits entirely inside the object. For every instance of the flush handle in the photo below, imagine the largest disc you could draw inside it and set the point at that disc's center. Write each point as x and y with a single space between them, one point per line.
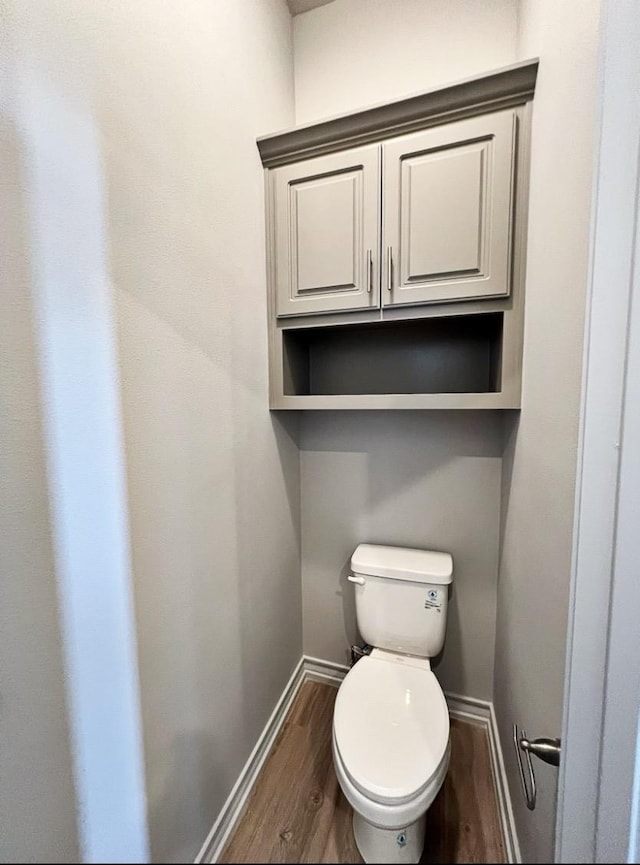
358 580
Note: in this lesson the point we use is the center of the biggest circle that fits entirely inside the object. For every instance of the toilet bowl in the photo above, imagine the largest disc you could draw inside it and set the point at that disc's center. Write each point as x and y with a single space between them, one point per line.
390 751
391 723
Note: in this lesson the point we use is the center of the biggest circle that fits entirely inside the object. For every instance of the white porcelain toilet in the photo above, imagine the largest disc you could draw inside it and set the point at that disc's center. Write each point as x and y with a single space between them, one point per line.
391 722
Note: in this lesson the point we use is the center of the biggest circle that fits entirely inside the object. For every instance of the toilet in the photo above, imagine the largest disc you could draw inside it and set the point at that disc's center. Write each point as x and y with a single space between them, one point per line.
390 735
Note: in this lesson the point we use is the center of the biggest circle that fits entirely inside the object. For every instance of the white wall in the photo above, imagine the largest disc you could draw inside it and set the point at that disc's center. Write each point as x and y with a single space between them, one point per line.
416 479
426 479
145 197
540 457
354 53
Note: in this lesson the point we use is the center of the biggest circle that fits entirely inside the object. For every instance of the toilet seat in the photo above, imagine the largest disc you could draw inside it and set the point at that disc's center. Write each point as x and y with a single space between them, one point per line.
389 816
391 728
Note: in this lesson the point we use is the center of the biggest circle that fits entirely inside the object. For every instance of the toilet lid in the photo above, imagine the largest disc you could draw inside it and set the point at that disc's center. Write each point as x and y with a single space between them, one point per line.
391 727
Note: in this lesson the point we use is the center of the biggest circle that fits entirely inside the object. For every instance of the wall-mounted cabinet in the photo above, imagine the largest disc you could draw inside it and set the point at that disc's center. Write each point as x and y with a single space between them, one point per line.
396 266
326 232
447 211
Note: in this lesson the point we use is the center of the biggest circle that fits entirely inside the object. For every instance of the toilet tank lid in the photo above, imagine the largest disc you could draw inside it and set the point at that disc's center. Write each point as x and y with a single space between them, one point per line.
402 563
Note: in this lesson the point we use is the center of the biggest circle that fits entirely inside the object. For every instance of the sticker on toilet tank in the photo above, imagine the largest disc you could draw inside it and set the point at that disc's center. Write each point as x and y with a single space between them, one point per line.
433 600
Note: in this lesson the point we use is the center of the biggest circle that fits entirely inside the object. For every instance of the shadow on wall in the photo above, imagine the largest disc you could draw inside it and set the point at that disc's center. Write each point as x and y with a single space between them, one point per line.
191 773
286 431
347 594
267 517
511 424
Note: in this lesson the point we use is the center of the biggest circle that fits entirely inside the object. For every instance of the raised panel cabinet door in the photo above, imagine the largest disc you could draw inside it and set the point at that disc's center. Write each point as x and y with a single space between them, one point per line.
447 204
326 232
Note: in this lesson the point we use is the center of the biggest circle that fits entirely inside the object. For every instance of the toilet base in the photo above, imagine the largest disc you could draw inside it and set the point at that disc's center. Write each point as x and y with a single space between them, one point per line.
389 845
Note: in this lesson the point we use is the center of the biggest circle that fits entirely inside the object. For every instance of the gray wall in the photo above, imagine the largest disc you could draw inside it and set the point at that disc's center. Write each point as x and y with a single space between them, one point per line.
166 218
353 53
212 476
423 479
37 805
214 487
418 479
540 456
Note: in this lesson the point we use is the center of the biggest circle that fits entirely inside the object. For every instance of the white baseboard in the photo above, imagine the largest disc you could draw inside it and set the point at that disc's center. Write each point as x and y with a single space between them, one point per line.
468 708
502 791
481 711
324 671
319 670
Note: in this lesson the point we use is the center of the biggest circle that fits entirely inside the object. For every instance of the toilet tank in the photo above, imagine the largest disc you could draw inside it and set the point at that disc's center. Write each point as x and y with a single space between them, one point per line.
402 597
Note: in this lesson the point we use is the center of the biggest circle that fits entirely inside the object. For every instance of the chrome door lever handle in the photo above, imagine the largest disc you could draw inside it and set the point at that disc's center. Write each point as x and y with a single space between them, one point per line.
546 749
526 772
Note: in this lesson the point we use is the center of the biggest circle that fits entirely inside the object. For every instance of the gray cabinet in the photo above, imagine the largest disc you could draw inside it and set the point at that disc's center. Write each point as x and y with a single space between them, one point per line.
447 196
443 234
396 251
326 229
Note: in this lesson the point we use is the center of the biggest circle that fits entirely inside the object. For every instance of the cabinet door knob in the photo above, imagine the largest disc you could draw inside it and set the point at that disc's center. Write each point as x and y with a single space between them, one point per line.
389 268
369 271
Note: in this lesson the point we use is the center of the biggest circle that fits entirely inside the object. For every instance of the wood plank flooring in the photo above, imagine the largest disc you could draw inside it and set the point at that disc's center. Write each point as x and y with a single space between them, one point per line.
297 813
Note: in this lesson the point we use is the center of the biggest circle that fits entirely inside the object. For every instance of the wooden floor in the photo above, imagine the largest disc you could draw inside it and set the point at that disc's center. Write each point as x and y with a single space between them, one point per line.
297 813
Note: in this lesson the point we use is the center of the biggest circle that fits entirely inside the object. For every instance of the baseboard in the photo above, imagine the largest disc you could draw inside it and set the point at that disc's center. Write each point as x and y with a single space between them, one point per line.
323 671
468 708
481 712
502 791
232 808
319 670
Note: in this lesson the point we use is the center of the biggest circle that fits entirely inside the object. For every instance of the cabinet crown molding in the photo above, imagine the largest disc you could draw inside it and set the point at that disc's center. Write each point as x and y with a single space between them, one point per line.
503 88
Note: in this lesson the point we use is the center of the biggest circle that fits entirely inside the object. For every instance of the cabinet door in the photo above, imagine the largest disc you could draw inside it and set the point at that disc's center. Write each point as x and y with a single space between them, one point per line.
447 211
326 238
